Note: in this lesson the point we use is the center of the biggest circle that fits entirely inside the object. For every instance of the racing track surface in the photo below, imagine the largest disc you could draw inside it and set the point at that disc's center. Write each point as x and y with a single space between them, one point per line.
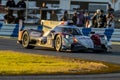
113 57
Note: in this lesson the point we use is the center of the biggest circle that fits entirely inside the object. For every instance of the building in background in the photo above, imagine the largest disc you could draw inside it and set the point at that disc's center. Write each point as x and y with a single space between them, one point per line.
82 4
72 4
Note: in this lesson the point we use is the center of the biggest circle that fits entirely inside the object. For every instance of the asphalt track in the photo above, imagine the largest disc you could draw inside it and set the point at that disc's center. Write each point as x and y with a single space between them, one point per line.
113 57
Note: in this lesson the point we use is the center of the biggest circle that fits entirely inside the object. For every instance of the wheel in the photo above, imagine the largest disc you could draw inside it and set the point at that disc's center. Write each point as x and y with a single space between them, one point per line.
58 43
26 41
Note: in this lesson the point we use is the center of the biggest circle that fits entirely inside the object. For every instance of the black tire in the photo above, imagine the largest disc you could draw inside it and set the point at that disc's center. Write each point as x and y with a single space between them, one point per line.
58 43
26 41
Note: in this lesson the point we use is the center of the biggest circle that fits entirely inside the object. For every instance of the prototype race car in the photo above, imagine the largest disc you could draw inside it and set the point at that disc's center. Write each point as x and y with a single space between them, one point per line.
64 37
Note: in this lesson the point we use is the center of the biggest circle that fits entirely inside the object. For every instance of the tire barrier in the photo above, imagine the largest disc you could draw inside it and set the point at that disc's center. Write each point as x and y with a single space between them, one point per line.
11 30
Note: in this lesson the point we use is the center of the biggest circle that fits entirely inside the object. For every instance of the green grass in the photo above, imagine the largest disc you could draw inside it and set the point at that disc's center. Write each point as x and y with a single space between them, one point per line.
16 63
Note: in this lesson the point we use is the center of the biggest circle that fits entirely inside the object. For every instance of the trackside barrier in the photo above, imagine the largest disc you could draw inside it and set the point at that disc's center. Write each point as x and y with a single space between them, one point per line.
86 31
12 30
109 32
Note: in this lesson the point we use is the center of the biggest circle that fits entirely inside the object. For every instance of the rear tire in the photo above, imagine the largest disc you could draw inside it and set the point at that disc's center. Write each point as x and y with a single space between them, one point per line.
58 43
26 41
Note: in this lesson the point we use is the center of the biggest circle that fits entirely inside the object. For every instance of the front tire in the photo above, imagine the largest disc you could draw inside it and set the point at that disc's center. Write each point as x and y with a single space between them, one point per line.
58 43
26 41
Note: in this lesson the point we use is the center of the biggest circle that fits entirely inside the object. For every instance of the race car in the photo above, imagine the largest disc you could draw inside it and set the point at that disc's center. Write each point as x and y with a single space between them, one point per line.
64 37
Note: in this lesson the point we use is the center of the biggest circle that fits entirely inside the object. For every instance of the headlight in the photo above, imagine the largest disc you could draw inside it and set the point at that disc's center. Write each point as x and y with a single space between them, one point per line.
67 36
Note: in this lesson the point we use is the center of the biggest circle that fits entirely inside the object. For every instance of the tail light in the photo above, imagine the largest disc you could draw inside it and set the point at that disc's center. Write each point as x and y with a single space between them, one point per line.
96 39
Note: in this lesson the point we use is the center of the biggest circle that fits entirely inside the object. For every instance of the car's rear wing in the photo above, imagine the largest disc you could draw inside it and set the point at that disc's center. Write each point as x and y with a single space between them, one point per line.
48 24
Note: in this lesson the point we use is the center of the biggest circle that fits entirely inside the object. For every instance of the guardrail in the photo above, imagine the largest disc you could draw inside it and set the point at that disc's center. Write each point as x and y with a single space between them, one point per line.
12 31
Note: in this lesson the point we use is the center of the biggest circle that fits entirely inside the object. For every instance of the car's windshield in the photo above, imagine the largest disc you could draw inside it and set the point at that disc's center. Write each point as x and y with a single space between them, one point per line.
68 30
73 31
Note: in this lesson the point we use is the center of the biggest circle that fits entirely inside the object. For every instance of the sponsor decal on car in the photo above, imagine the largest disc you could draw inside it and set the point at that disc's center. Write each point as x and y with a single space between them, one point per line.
35 34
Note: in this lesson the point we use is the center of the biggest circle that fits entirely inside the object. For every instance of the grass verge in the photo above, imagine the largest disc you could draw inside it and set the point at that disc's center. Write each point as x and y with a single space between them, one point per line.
16 63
